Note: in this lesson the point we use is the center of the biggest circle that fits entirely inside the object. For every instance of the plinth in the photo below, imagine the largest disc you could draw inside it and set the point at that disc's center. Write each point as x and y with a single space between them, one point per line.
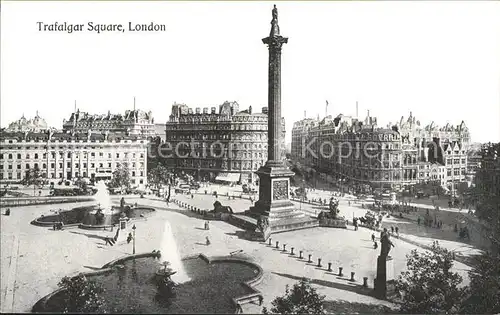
274 200
385 275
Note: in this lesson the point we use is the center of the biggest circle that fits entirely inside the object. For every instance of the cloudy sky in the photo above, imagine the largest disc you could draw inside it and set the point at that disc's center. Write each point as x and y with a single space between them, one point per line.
440 60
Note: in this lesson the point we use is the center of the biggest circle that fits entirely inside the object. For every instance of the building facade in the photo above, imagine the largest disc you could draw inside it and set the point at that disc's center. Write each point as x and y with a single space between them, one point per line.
366 156
134 122
65 156
227 145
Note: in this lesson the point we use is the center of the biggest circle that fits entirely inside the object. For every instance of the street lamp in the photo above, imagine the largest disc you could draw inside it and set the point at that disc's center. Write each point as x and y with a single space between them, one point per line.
133 239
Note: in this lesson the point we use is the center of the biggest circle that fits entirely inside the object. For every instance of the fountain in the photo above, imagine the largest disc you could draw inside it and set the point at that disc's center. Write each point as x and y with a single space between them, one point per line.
101 215
169 252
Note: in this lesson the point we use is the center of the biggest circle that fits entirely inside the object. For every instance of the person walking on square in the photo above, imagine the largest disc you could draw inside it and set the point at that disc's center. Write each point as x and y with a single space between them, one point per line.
397 231
373 237
375 245
207 241
392 229
261 299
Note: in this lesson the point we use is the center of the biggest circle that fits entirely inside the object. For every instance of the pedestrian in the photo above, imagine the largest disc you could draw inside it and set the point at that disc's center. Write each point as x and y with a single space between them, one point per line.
418 221
261 299
375 245
207 241
392 229
129 238
373 237
397 231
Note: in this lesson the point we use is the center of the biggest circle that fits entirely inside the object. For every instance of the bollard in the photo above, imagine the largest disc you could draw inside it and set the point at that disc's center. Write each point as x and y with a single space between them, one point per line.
309 258
340 272
270 239
352 276
291 252
284 247
330 266
365 282
300 255
319 262
277 244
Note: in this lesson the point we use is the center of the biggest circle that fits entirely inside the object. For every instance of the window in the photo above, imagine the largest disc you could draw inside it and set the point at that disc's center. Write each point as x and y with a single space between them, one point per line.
18 166
18 175
109 155
27 156
100 165
142 173
68 164
44 166
109 164
53 155
133 173
69 155
52 165
60 175
19 155
36 165
142 155
10 156
27 166
92 165
60 165
76 165
141 181
84 165
117 155
100 154
93 154
45 155
1 175
1 156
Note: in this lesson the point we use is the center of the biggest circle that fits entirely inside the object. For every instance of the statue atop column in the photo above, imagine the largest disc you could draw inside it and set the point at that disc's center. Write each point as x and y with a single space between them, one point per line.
275 29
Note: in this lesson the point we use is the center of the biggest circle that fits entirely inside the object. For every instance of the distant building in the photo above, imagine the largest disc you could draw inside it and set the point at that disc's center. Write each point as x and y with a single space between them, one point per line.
35 124
489 171
238 140
398 155
65 156
134 122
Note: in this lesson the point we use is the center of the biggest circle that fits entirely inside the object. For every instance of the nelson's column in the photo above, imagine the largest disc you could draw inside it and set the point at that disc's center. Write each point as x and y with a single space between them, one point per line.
274 177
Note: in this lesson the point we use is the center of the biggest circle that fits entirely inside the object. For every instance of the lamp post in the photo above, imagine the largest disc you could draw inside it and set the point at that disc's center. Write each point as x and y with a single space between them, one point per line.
133 239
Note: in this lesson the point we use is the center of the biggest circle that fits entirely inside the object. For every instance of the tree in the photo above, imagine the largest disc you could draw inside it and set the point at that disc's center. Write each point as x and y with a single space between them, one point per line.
121 177
33 176
81 183
301 299
158 176
485 275
428 286
82 295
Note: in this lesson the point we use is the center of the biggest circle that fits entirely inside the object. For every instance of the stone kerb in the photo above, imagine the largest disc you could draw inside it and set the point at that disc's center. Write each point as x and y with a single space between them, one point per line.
256 295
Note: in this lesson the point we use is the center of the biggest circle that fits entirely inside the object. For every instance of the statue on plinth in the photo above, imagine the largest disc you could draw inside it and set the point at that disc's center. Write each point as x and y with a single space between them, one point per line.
385 243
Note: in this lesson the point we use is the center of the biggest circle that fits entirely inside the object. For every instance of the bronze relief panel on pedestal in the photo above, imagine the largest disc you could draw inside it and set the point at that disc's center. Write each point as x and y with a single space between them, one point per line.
280 190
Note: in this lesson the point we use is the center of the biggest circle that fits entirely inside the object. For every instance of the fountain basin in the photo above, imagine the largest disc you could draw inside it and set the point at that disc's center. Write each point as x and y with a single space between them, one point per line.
85 217
216 285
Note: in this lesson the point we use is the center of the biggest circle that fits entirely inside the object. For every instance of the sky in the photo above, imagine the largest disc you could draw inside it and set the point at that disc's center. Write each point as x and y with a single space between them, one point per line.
439 60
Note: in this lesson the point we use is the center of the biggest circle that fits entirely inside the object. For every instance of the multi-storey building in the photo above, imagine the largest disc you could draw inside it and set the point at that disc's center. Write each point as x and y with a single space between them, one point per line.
134 122
64 156
366 156
228 145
